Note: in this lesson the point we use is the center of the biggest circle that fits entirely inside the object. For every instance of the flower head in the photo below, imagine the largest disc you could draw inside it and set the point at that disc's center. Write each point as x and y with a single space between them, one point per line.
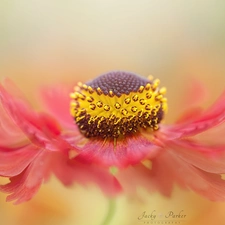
113 112
111 121
117 104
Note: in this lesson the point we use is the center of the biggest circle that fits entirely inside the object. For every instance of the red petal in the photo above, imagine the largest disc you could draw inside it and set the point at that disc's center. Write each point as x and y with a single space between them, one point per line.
208 158
121 153
17 189
174 167
153 180
57 101
70 171
196 93
190 115
41 129
10 134
14 160
186 175
25 185
213 116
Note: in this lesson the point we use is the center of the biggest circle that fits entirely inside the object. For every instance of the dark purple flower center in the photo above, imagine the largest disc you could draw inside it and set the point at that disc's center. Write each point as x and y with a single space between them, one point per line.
119 82
116 104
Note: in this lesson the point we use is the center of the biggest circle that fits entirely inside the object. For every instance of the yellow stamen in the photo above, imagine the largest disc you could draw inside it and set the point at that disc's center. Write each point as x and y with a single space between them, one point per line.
98 114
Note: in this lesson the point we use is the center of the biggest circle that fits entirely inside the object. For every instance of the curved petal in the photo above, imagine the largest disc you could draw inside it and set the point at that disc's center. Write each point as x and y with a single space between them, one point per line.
208 158
143 176
207 184
14 160
10 134
189 115
40 128
17 189
196 92
168 169
57 101
74 171
25 185
215 115
120 153
27 176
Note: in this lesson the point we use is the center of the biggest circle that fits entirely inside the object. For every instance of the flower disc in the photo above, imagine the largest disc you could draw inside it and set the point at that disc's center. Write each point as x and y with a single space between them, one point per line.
116 104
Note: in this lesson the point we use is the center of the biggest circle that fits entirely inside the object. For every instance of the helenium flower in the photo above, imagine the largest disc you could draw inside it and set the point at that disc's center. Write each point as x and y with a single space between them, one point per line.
113 121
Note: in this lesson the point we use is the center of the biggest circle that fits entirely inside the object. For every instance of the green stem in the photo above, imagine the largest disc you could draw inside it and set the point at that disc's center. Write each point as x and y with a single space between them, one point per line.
110 213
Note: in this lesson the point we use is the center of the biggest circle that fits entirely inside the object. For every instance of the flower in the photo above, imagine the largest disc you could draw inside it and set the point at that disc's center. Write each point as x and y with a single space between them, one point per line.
111 121
111 111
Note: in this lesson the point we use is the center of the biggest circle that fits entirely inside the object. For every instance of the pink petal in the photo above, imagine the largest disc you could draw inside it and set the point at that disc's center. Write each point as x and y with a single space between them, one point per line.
121 153
216 135
14 160
152 180
57 101
25 185
195 93
17 189
10 134
41 129
213 116
73 171
171 167
176 170
190 115
208 158
207 184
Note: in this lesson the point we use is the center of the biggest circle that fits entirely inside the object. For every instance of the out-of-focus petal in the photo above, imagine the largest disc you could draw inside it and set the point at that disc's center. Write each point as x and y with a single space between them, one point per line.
212 136
10 134
25 185
213 116
189 115
208 158
57 101
41 129
72 171
120 153
14 160
195 93
188 176
186 169
152 179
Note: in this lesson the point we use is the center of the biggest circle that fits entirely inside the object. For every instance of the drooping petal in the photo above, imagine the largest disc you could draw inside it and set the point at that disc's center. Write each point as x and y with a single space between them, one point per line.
17 189
188 176
189 115
157 180
40 128
215 115
194 94
72 171
10 134
14 160
25 185
208 158
120 153
170 167
57 101
212 136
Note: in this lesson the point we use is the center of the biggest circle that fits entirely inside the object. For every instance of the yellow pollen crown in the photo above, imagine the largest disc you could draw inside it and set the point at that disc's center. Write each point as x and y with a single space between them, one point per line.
107 115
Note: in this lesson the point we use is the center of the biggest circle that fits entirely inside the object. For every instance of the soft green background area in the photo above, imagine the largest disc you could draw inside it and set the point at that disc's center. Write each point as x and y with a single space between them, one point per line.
47 42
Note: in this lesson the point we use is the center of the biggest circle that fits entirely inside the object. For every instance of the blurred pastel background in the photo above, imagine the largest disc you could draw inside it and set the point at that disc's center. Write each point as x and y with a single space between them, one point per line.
50 42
